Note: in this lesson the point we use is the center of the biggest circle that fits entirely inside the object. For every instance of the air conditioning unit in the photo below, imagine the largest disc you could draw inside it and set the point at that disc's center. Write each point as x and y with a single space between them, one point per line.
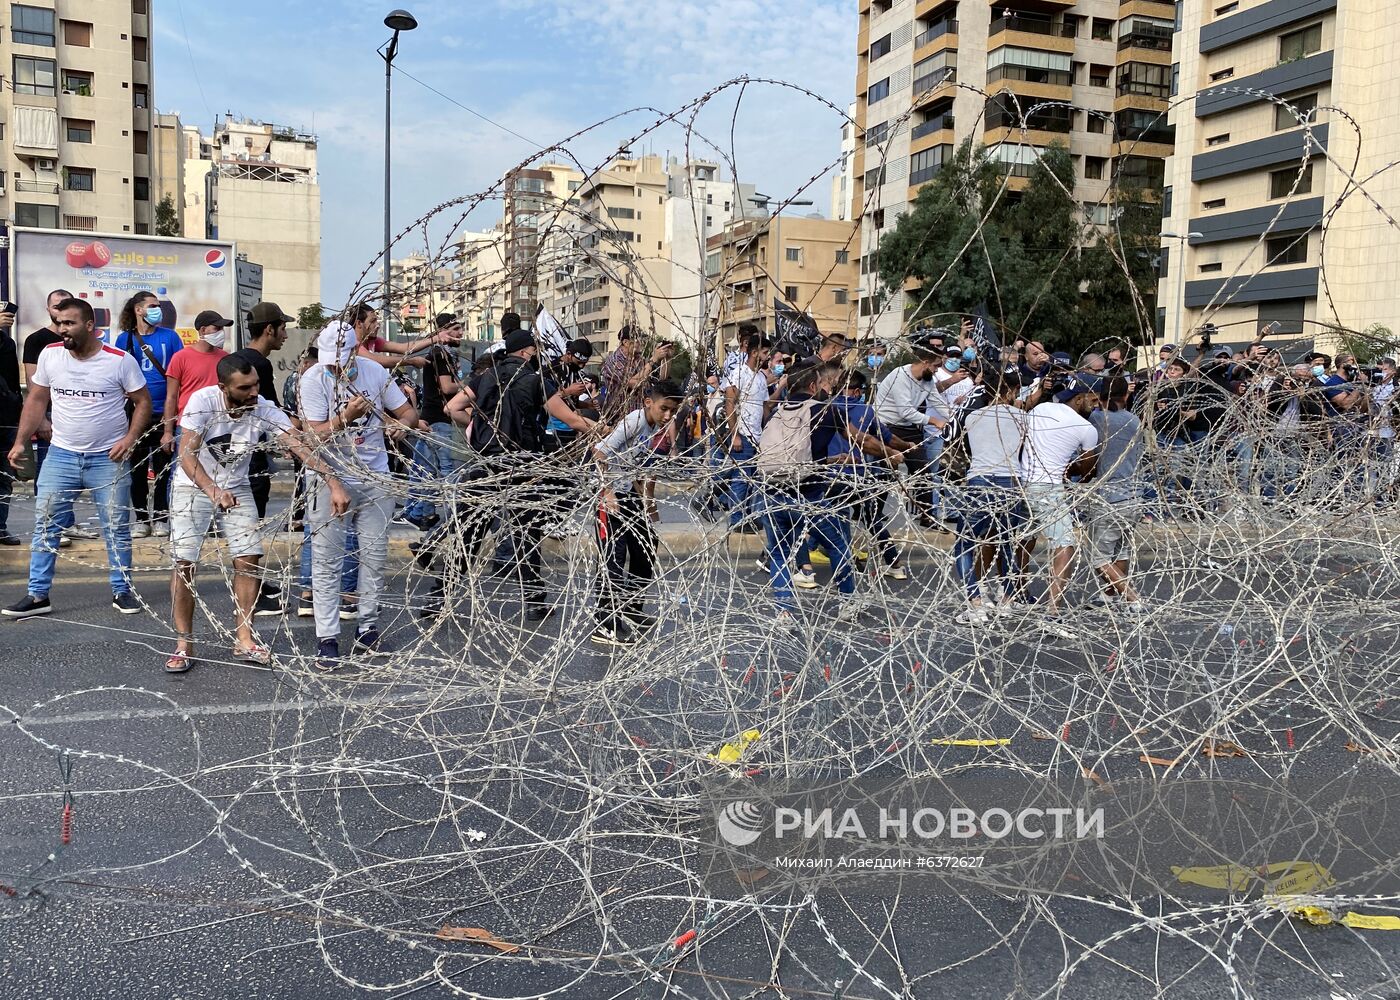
47 165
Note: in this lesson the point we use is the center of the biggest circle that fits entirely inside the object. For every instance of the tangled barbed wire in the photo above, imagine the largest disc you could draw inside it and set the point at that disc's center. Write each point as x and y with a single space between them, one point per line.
501 807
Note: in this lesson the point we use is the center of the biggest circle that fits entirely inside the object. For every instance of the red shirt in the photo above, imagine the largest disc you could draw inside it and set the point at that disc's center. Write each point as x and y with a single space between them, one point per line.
195 370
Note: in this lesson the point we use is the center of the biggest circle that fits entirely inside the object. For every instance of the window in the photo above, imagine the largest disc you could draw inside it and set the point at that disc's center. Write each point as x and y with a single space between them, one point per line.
1176 79
1287 313
77 33
1222 74
78 130
878 91
1229 8
880 48
877 218
1098 75
790 293
621 213
1281 182
923 165
31 25
141 141
1213 204
1095 123
35 76
1300 43
1147 79
1167 202
75 179
1289 249
1012 63
141 96
84 223
138 6
843 256
141 191
1300 113
936 70
138 48
1211 268
1218 140
877 134
1093 168
840 296
574 186
793 255
1164 262
36 216
77 83
1102 29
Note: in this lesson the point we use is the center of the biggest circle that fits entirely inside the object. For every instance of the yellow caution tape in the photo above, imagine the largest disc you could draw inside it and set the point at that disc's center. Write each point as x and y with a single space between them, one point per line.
731 753
972 743
1283 878
1361 921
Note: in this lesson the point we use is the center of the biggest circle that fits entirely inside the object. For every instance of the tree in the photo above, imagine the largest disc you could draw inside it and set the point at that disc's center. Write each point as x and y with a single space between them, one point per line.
1120 274
167 219
312 317
969 240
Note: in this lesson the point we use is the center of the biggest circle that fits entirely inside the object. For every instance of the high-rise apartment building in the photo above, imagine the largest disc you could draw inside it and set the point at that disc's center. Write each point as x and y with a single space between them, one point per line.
480 285
76 107
1262 222
1105 66
533 199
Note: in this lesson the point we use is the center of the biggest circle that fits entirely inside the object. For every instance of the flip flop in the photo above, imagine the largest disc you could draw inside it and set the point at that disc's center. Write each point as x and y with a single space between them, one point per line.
179 663
252 654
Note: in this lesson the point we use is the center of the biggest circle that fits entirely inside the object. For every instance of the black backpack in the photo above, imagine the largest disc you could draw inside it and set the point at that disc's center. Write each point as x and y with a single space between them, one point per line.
509 417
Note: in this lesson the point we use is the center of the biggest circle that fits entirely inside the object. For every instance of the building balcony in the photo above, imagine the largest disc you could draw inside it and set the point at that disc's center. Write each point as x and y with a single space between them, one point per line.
1141 147
1031 32
27 186
935 33
1157 39
1031 92
932 126
1148 8
931 86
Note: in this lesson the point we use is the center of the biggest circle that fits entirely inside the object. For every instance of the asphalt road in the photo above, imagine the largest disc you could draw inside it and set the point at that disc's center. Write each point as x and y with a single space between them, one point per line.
278 833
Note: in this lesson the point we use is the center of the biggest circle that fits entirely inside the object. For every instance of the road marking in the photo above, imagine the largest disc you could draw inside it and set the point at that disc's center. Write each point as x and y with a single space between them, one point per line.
237 708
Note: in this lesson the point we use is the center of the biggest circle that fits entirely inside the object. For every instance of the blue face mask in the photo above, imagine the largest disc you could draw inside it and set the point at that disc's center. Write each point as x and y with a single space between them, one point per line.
969 354
154 315
779 369
953 364
1318 371
875 360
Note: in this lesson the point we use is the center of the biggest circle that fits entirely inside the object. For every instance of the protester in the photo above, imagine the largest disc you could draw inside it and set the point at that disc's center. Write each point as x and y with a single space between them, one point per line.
1113 508
627 371
626 537
153 346
388 353
89 386
744 401
267 332
908 401
194 368
221 427
349 403
11 403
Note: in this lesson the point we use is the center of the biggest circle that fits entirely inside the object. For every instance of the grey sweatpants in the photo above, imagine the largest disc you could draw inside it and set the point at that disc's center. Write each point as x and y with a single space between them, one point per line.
369 512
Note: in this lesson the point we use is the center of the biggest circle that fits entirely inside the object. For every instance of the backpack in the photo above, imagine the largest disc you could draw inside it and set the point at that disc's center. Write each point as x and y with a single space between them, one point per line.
785 445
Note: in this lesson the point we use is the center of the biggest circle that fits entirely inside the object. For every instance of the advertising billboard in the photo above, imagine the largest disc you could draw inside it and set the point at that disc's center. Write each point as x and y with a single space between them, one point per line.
188 276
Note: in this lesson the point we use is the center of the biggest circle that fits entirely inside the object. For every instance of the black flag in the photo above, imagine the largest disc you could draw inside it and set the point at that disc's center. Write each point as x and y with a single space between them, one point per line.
795 329
985 336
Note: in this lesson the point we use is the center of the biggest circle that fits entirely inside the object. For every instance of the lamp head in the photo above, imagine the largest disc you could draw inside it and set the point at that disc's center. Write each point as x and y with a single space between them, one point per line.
400 20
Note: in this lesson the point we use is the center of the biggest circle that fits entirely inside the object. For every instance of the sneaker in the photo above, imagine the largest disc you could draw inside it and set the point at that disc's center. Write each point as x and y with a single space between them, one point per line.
79 531
161 529
805 579
820 558
862 555
367 639
64 542
327 654
895 572
126 603
306 608
404 521
617 633
30 607
267 606
8 539
973 614
140 530
349 612
761 564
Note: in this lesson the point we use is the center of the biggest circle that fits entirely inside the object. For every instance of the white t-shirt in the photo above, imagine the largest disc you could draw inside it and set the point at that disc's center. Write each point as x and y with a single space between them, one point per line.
359 447
753 393
994 437
89 396
628 447
228 442
1381 398
953 392
1055 436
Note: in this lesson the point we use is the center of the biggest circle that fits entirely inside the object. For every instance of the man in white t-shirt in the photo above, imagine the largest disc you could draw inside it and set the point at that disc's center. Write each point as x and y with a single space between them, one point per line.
220 428
89 386
744 399
350 403
1059 439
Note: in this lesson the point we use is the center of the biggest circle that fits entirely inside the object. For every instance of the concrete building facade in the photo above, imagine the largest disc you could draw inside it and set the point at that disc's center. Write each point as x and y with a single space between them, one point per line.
1265 225
76 108
924 66
809 263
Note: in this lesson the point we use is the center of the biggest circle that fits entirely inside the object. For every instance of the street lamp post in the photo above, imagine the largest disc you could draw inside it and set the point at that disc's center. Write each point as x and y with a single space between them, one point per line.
1182 239
397 21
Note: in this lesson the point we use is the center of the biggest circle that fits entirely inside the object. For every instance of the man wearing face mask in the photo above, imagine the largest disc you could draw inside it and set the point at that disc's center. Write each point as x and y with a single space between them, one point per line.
955 381
154 346
194 368
907 402
222 425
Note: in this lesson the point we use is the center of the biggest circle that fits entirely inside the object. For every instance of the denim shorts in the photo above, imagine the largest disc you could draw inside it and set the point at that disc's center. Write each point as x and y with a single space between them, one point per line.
191 511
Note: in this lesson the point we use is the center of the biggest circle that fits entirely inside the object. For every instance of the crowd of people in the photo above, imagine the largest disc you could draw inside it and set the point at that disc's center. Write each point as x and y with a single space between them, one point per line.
820 449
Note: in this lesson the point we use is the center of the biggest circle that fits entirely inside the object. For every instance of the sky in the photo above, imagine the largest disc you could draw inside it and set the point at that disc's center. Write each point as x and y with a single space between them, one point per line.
543 69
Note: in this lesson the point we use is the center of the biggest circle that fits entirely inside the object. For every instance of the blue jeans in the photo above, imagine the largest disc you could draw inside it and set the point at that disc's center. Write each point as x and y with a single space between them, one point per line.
422 463
991 514
66 474
741 482
785 515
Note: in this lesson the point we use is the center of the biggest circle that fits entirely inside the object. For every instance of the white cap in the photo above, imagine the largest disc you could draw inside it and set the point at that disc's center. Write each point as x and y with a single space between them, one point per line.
335 345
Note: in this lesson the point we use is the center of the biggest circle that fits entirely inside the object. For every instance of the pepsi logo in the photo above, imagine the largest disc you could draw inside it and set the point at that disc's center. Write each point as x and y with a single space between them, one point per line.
214 258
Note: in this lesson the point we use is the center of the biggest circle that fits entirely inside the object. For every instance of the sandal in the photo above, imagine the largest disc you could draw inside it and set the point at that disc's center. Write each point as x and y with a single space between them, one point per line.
179 662
252 654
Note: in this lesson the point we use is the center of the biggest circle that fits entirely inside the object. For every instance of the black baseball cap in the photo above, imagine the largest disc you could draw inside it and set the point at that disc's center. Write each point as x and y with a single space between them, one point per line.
580 348
1061 360
211 318
269 312
444 320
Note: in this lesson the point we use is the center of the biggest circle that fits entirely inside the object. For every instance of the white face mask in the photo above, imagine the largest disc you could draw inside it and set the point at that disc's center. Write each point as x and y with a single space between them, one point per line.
216 338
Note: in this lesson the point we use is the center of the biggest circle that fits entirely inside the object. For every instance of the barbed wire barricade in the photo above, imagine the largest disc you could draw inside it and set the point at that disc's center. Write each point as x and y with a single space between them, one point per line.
498 807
